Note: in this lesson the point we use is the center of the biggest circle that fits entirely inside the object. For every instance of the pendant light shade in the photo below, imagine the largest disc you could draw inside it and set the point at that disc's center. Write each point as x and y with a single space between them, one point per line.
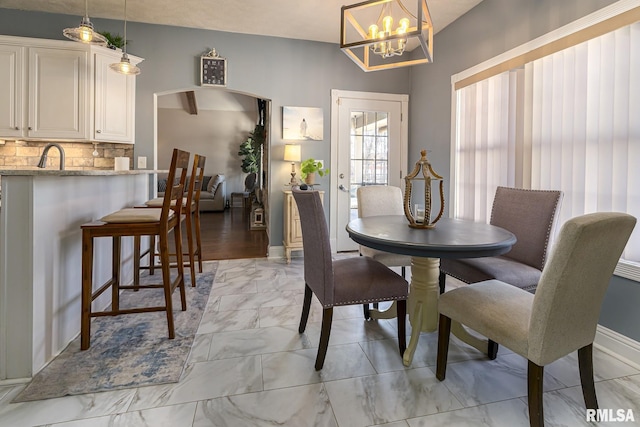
84 32
125 66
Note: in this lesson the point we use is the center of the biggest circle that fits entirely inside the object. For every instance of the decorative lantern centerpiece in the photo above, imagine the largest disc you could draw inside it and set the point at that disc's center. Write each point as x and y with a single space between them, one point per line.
420 217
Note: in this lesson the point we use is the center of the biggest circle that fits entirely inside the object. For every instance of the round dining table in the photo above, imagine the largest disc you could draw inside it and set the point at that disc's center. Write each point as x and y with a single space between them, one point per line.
449 238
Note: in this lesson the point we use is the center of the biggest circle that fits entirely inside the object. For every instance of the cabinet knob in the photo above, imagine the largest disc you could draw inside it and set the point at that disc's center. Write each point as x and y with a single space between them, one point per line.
17 128
98 131
29 128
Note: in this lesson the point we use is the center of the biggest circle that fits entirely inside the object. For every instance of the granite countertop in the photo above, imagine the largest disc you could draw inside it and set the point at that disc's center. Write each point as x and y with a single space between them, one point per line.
56 172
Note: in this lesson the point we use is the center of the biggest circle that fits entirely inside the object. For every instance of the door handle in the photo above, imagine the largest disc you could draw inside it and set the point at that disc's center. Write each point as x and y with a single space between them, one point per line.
341 187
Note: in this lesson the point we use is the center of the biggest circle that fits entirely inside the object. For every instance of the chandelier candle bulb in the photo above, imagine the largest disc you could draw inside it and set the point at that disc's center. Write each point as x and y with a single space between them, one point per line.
387 22
373 31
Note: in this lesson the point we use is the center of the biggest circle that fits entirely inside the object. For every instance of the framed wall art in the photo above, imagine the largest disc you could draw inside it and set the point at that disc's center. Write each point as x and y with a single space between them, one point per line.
302 123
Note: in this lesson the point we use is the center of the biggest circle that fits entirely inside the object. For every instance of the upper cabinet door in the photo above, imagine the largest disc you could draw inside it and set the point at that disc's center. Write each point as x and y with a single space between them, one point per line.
11 90
114 102
58 89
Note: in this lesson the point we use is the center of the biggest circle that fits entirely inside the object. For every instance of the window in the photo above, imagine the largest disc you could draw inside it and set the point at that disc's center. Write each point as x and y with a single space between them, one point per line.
567 121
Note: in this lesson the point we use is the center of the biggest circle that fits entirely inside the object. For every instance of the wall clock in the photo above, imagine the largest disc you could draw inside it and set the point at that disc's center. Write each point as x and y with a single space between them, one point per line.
213 70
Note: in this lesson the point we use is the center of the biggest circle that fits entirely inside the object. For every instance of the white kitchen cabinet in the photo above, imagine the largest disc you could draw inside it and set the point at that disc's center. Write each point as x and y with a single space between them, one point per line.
292 229
11 90
114 108
58 94
59 90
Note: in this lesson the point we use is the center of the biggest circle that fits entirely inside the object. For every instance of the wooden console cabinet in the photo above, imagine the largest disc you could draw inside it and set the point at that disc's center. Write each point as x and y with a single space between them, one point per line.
292 230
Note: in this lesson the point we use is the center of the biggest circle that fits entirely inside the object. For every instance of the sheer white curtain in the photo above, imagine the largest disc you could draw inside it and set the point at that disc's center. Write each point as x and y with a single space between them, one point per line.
486 143
569 121
584 121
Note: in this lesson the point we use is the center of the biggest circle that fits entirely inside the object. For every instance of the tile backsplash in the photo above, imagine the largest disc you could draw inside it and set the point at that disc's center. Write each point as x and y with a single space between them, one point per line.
78 155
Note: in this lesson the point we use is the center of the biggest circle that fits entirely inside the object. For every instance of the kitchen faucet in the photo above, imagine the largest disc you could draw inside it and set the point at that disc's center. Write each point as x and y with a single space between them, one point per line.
43 159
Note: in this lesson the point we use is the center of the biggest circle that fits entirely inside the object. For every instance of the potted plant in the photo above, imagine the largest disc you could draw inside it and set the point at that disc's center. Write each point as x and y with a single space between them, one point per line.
309 168
115 40
250 150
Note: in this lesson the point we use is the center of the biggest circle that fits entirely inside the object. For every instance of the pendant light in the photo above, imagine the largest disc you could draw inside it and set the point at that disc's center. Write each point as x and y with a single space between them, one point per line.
84 33
125 66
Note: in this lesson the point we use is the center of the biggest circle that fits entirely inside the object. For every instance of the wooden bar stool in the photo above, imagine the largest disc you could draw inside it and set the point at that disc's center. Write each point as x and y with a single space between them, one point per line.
151 251
136 222
191 212
195 209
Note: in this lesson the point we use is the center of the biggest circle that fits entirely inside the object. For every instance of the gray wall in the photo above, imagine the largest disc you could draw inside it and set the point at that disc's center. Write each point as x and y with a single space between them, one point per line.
287 72
491 28
214 134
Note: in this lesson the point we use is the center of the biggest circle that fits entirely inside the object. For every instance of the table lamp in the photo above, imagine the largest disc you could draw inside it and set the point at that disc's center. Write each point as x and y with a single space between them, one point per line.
292 154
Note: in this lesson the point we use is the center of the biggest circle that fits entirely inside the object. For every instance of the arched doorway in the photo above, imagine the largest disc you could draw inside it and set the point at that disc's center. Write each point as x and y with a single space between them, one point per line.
215 123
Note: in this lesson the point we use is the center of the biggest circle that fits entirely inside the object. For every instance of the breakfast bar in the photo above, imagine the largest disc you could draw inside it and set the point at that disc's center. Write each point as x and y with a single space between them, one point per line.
41 256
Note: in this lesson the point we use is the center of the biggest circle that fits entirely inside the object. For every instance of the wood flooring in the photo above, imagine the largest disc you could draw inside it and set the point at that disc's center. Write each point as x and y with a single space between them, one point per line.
226 235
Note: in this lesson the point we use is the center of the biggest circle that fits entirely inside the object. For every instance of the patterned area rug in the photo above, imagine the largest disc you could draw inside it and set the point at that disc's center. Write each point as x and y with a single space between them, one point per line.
129 350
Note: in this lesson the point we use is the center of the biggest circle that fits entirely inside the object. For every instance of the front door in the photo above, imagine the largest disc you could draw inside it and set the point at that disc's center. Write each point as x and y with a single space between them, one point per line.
371 149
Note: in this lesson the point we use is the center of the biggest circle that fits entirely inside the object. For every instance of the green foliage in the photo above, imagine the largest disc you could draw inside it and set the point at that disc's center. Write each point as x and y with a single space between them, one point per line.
310 166
115 40
250 150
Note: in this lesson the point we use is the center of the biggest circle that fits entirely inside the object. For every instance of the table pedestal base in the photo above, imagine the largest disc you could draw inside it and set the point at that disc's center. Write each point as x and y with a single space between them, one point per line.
423 301
389 313
423 307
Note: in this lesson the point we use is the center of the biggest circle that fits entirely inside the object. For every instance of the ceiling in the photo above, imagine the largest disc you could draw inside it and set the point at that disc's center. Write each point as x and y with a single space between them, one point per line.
317 20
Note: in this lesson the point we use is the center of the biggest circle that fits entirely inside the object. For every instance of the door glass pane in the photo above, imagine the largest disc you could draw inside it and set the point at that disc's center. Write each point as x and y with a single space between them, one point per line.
369 152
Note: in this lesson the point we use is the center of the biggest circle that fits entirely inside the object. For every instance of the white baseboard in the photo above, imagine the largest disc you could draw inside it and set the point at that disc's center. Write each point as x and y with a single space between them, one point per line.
14 381
618 346
276 252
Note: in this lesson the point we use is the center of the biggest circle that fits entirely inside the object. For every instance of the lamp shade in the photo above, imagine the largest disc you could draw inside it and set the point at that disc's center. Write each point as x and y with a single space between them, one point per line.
84 33
292 153
125 66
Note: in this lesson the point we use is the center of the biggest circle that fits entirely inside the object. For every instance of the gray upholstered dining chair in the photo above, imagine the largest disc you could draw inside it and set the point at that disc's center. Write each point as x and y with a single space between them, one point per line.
560 318
374 200
349 281
530 215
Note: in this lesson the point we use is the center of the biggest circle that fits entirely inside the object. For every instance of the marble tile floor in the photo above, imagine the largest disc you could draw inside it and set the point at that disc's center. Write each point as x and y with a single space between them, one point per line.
250 367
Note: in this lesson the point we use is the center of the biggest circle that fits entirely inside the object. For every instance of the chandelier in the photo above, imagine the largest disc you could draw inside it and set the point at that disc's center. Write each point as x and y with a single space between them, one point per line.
386 34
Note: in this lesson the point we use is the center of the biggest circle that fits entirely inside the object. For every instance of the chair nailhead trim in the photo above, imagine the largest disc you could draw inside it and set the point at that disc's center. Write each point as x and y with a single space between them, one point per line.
365 301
